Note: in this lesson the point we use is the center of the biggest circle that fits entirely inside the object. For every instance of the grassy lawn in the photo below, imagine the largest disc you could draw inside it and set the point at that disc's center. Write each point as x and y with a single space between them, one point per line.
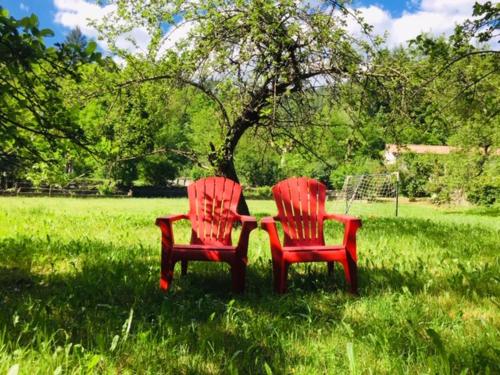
79 293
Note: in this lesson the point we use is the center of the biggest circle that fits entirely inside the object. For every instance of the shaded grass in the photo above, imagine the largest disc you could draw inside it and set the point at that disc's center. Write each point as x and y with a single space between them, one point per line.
78 282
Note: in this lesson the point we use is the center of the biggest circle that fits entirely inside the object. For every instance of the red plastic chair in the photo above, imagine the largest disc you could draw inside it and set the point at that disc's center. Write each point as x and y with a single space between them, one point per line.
301 212
213 203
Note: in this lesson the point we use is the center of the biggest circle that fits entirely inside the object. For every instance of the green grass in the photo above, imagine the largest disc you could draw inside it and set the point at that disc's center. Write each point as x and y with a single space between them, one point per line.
79 293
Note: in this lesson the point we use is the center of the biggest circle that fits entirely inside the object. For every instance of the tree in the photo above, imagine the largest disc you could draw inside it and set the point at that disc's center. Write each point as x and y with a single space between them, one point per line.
259 61
34 122
445 91
76 38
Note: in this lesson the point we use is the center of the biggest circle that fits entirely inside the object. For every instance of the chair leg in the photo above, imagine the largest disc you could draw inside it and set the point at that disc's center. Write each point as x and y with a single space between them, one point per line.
167 271
276 278
238 273
184 267
330 266
351 273
280 273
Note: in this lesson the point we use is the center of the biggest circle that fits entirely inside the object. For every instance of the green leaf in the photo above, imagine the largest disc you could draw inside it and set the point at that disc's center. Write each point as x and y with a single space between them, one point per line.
46 32
33 20
114 343
350 357
91 46
267 369
93 362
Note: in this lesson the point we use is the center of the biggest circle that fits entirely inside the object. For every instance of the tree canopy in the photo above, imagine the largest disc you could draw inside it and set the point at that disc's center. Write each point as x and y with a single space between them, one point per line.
35 123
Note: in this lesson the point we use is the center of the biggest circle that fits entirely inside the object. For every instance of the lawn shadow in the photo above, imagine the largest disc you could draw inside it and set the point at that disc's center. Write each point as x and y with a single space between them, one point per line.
87 303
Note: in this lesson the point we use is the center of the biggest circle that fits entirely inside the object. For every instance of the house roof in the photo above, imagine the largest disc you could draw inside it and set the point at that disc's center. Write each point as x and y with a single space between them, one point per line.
425 149
419 149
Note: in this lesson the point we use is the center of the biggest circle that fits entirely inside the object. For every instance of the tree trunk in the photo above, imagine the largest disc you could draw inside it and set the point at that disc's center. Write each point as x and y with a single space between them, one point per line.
223 161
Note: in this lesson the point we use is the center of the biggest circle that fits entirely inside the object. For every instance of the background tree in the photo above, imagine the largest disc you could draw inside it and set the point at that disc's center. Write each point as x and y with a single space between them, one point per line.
75 37
258 61
35 125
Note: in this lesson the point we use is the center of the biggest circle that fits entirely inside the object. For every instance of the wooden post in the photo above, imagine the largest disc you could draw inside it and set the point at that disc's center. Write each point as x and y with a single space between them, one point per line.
397 193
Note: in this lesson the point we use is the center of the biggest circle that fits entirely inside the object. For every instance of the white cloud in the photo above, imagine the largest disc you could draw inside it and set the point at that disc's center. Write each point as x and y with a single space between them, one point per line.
437 17
177 34
24 7
81 13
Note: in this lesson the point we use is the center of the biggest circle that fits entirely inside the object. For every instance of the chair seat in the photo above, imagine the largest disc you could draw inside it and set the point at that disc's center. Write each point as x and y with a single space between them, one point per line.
204 247
314 248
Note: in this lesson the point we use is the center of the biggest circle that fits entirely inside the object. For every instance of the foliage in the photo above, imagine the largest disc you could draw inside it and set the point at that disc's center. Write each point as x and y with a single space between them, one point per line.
358 166
34 123
485 191
450 178
415 173
158 170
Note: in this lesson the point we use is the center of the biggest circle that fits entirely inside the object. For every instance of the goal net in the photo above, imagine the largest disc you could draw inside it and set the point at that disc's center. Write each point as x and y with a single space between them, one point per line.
371 188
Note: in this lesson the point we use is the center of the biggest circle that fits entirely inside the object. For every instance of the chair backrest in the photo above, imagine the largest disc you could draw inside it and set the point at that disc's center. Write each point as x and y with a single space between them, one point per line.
213 202
301 207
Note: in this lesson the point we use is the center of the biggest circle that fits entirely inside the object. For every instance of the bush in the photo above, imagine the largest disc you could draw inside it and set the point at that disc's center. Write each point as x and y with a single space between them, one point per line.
415 174
258 170
107 187
157 170
484 191
357 167
261 192
124 172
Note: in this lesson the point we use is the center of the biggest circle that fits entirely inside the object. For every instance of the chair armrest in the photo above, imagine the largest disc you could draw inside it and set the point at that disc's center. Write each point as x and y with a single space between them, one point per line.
269 225
165 224
249 223
169 219
249 220
351 225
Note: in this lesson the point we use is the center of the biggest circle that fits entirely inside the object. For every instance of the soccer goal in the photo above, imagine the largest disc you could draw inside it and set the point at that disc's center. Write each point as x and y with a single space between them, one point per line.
371 188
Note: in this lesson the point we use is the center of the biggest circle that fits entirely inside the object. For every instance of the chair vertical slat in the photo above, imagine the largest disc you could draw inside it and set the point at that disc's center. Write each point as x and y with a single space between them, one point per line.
194 209
286 215
209 209
232 195
296 208
279 204
225 209
304 201
313 208
321 210
218 209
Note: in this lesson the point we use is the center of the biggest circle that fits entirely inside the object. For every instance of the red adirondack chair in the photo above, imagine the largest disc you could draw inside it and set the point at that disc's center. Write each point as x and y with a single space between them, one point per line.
213 203
301 212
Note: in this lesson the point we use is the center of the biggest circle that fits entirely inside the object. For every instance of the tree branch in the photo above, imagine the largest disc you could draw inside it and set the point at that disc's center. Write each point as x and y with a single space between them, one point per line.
185 81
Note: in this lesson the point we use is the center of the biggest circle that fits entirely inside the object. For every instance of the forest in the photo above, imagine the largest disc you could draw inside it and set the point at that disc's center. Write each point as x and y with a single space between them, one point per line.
222 104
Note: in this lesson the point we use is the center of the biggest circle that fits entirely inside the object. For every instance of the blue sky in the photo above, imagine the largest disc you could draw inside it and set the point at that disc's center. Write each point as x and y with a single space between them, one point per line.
402 20
44 9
